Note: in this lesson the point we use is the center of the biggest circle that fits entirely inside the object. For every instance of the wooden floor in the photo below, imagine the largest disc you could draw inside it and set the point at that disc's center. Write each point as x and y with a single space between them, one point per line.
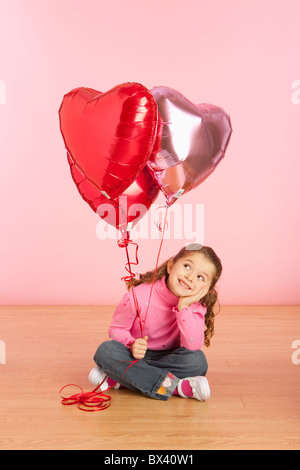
255 386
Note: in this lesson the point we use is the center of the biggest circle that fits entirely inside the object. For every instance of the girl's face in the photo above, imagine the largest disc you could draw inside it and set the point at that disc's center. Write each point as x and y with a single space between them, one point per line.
188 275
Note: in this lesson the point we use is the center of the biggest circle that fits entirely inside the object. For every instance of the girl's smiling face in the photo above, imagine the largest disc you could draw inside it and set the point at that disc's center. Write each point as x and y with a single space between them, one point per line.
189 274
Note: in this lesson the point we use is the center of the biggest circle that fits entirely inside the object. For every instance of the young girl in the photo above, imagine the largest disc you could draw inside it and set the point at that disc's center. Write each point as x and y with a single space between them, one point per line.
166 338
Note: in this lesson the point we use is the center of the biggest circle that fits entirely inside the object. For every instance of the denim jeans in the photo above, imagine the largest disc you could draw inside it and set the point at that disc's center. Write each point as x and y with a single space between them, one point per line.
156 375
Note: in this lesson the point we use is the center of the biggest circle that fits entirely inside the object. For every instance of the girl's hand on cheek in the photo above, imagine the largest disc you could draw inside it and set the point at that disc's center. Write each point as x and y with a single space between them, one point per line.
186 301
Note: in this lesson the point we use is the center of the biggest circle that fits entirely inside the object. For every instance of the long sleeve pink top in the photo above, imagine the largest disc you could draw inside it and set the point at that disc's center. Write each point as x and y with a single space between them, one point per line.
165 326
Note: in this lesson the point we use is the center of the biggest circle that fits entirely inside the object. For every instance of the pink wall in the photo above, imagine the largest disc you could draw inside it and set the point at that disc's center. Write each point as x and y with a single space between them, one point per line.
242 56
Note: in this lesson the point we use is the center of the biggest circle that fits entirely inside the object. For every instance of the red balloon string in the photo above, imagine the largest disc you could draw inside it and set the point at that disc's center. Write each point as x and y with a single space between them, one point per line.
123 243
96 400
157 259
130 365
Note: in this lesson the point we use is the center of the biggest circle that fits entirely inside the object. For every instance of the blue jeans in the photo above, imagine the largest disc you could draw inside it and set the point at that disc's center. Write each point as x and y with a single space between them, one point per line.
156 375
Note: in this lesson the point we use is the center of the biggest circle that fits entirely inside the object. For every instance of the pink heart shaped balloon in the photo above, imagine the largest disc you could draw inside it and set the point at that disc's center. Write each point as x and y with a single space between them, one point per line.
191 141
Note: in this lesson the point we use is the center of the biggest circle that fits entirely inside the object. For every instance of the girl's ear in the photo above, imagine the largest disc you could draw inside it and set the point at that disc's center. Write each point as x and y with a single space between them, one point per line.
170 265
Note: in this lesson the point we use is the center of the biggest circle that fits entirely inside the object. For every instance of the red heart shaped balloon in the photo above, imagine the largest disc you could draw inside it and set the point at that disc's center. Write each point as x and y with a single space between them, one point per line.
124 212
109 135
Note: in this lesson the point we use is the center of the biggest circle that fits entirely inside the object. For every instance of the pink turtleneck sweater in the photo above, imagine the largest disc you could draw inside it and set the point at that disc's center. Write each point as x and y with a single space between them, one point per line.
165 326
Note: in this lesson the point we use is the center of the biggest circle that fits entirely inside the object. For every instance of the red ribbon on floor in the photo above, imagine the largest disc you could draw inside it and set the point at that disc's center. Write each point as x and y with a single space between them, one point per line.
88 401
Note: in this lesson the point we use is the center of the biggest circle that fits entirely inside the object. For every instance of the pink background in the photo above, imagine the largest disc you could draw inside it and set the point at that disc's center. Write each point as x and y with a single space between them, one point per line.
242 56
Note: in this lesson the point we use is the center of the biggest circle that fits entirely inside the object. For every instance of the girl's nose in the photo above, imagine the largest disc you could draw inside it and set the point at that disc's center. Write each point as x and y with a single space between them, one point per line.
190 276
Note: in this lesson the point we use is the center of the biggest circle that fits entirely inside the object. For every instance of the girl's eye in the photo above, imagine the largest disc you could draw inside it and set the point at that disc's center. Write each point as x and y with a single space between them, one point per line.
201 277
187 266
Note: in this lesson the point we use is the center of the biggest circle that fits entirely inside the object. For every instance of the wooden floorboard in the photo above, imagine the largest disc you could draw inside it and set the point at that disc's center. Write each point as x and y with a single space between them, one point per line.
255 401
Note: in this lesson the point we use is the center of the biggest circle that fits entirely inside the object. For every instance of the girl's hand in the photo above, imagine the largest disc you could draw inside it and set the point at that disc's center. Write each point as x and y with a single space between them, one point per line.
187 301
139 347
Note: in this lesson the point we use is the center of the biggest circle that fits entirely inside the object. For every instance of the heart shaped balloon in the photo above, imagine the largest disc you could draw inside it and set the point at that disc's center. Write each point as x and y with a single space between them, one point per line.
109 136
125 211
191 141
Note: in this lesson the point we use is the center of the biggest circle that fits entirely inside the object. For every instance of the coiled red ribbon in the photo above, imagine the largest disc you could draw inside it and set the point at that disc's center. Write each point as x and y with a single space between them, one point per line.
88 401
123 243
